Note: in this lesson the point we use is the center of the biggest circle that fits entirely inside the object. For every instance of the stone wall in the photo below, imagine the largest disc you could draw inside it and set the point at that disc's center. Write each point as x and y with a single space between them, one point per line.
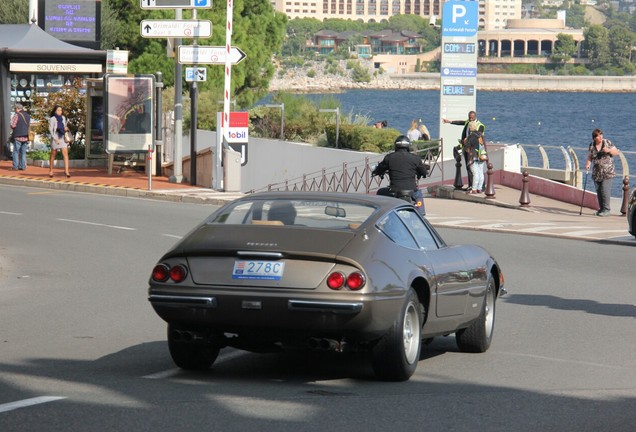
431 81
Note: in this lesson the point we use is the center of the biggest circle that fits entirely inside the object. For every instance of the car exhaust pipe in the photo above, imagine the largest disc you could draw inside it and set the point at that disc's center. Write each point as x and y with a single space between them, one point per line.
325 344
329 344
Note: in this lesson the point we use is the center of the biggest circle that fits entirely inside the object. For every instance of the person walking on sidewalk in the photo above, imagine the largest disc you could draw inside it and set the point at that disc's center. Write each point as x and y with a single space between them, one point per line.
57 127
468 157
600 153
20 124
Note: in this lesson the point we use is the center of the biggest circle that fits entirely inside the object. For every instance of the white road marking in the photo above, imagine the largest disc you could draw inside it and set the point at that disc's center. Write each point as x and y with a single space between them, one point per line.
172 236
547 228
164 374
28 402
568 361
11 213
460 222
591 232
98 224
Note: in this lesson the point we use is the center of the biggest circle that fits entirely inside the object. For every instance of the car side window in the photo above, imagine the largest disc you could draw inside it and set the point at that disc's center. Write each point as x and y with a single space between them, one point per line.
420 231
393 228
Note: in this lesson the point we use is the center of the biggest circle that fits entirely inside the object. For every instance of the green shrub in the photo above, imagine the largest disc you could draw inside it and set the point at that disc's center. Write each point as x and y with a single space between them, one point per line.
311 73
39 155
362 138
360 74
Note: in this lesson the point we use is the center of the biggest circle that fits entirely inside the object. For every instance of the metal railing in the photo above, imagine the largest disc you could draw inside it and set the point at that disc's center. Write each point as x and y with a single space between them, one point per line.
572 159
356 177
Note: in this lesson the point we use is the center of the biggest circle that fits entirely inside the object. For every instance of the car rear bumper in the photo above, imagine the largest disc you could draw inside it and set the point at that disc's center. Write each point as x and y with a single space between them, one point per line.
241 312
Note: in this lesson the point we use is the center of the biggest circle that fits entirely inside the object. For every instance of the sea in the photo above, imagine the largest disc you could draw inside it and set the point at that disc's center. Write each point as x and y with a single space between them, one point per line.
550 119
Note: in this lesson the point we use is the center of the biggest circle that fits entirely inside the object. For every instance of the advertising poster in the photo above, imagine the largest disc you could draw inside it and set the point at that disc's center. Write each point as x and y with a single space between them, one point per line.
129 107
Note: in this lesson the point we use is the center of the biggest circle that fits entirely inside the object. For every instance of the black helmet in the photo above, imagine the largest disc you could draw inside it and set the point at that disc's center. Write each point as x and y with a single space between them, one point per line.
402 142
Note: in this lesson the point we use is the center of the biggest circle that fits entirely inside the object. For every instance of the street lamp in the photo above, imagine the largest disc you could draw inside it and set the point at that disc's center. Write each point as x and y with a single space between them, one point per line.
337 111
282 117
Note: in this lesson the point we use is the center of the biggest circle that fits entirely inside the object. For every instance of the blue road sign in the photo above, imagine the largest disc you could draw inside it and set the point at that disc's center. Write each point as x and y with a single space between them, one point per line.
460 18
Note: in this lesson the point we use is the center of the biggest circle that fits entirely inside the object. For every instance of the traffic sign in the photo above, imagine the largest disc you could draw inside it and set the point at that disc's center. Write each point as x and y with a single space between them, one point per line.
172 4
196 74
176 28
198 54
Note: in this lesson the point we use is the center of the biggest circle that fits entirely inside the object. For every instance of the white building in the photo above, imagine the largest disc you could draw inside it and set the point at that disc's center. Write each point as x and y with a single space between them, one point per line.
494 14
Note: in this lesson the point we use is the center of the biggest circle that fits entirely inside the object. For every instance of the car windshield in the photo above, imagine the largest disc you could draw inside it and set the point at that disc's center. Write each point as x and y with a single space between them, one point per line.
295 212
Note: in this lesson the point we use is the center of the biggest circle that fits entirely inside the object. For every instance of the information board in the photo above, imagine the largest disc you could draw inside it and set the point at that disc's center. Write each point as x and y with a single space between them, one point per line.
458 73
74 21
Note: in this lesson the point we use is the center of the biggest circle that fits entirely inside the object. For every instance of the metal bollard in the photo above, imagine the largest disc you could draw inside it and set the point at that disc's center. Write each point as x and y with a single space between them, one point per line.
524 199
459 183
625 195
490 187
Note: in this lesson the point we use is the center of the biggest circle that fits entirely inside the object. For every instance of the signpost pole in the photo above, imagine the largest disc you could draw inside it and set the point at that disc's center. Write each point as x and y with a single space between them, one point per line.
177 176
194 93
159 123
228 76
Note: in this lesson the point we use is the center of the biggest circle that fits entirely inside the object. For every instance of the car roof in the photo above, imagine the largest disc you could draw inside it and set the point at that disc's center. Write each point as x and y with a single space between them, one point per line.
384 202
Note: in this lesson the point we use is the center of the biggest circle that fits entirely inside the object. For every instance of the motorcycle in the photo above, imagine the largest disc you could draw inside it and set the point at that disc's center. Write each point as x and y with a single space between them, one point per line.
415 197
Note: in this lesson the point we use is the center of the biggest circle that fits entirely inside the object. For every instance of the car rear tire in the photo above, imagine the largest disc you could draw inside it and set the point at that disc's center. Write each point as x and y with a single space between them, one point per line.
477 337
396 354
194 354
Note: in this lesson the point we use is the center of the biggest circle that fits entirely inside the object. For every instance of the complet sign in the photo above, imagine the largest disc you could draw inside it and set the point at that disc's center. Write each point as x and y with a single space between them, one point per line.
176 28
198 54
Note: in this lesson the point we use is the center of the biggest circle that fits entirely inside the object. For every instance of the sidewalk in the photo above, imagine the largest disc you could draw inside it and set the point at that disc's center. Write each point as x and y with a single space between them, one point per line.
445 207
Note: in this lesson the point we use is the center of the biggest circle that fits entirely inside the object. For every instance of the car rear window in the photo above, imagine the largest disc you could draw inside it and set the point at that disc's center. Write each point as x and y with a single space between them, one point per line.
285 212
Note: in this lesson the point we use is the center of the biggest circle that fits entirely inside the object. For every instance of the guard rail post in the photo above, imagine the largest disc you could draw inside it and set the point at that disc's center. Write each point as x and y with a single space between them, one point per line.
459 183
490 187
625 195
524 199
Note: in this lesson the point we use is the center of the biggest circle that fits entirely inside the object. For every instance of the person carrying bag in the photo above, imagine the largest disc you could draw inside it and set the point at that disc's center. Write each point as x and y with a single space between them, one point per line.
20 125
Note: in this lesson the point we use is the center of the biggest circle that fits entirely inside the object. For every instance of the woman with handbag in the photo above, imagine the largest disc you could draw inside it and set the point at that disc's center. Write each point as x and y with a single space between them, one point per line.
58 129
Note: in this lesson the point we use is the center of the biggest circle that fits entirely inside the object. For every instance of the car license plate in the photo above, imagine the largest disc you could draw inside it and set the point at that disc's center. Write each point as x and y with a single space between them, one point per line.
263 270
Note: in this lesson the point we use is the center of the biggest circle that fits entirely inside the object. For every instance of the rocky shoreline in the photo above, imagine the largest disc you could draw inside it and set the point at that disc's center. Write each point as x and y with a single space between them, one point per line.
301 83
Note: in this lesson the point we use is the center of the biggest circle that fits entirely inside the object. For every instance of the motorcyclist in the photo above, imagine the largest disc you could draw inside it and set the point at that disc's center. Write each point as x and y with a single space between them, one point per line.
403 167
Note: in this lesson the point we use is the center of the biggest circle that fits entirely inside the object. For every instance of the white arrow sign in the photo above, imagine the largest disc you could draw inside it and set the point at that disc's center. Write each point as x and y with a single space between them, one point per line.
172 4
197 54
176 28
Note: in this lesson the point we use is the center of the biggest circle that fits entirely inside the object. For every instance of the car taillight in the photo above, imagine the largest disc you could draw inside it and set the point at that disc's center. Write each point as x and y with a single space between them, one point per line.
336 280
355 281
163 272
160 273
178 273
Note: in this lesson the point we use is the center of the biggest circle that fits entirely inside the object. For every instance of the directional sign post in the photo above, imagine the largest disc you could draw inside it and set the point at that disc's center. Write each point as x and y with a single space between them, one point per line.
458 77
176 28
172 4
197 54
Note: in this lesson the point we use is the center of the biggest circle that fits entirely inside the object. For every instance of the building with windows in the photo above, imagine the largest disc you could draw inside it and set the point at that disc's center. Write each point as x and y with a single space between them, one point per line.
493 14
362 10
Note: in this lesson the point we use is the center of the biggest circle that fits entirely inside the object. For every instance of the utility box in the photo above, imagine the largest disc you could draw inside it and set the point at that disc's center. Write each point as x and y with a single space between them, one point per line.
231 170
